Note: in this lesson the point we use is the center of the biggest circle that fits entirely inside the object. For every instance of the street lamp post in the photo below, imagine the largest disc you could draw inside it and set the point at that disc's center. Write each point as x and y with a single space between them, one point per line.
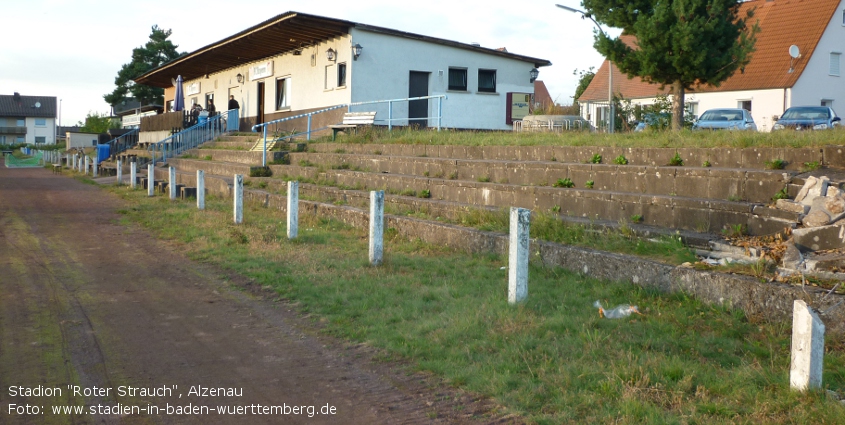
611 107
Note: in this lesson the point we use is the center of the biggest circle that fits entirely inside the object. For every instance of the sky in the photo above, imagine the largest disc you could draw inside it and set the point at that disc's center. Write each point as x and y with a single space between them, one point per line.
73 49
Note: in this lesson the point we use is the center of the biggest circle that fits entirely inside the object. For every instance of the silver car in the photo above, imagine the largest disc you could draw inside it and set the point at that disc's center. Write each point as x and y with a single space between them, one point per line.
725 119
808 118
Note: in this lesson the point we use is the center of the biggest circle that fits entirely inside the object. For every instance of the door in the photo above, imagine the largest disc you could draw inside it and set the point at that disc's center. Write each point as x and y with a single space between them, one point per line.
259 119
418 87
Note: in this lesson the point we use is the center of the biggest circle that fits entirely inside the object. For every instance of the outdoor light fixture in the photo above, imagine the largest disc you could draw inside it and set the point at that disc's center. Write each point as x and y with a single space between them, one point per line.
356 51
240 78
331 54
610 66
534 73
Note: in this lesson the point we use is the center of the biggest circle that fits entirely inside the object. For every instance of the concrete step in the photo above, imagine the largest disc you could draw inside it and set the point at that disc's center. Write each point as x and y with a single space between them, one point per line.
240 157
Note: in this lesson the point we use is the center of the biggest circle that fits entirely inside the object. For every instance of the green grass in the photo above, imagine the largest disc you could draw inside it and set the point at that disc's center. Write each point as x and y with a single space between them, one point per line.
551 360
683 139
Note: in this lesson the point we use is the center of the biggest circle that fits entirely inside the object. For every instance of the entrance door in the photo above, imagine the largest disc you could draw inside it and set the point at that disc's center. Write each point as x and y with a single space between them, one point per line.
259 119
418 87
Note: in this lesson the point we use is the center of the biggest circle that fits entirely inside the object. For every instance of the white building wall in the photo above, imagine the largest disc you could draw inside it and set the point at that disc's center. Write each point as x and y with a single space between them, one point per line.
816 83
47 131
382 72
81 140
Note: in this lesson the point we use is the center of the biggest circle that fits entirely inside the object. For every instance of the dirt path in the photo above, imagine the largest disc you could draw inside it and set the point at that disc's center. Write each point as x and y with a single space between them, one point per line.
86 301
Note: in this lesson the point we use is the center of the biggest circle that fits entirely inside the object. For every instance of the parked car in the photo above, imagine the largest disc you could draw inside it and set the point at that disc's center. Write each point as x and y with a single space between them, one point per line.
654 120
808 118
725 119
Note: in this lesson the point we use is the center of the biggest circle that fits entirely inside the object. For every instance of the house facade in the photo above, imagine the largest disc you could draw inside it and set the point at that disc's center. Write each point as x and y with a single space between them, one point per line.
27 119
296 63
773 81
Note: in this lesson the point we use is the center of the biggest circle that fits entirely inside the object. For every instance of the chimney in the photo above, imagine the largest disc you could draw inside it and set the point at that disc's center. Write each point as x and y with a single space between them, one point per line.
17 97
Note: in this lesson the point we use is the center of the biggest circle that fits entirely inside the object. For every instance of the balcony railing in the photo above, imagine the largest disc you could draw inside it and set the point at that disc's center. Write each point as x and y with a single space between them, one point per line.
13 130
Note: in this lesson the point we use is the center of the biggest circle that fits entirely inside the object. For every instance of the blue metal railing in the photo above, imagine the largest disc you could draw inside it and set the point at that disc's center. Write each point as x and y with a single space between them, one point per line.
389 120
122 143
192 137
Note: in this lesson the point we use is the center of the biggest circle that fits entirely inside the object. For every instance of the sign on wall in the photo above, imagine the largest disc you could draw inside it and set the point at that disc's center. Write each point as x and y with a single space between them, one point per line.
192 88
261 71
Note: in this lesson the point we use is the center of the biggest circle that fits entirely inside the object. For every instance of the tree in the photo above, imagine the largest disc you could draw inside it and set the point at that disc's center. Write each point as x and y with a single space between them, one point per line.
97 123
158 51
682 43
585 77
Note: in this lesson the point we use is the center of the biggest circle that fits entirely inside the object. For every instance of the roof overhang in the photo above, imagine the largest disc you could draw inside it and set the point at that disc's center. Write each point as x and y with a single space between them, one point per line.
284 33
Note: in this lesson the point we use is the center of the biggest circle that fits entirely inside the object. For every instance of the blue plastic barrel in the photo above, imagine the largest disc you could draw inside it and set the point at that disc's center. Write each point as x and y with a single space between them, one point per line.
103 152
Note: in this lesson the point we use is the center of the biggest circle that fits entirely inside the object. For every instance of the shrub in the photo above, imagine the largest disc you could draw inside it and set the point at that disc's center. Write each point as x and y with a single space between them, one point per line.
567 182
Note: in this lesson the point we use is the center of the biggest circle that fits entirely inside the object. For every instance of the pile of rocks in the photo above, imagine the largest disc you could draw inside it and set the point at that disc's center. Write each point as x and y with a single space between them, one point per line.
820 244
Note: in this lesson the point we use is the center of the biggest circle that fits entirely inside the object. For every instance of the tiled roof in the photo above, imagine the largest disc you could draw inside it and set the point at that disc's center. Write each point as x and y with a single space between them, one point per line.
24 106
782 23
541 94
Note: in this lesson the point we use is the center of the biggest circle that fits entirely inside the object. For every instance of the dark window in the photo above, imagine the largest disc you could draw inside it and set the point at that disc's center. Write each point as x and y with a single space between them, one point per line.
458 79
40 139
745 104
341 75
487 80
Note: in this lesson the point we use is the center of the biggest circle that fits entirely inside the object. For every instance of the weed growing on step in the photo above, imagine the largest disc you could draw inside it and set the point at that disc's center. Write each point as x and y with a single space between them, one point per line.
567 182
620 160
776 164
596 159
589 184
782 194
676 160
810 166
705 164
484 179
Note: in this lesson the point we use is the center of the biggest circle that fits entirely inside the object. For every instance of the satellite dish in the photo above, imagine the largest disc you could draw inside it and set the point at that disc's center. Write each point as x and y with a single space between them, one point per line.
794 52
37 104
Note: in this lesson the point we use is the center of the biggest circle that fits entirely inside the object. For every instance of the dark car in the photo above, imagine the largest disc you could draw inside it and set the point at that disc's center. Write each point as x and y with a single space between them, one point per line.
808 118
725 119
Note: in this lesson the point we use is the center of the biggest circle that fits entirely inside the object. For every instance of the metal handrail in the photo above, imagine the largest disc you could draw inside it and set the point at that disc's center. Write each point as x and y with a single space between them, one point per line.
123 142
190 138
440 98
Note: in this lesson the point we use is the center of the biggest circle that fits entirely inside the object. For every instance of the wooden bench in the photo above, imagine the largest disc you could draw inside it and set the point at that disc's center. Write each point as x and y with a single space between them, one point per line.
57 168
353 120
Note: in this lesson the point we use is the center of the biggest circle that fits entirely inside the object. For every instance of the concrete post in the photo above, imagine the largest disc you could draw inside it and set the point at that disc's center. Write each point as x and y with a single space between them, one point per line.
172 184
239 198
96 168
86 164
79 165
518 255
293 209
376 227
200 189
133 174
119 172
67 161
805 371
75 157
151 180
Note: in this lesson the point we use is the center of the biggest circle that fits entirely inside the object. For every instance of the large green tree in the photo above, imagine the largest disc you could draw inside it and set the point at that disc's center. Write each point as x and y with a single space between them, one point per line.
158 50
680 43
97 123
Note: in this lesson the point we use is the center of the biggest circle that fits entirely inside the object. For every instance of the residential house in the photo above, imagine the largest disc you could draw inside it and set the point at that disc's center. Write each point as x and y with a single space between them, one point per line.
296 63
773 81
27 119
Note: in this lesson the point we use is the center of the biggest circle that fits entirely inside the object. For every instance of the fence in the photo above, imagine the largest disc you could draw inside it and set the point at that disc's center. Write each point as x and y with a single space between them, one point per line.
122 143
273 125
31 162
192 137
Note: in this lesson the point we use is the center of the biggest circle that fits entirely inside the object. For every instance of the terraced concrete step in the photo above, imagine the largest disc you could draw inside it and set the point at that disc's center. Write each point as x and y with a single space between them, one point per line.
240 157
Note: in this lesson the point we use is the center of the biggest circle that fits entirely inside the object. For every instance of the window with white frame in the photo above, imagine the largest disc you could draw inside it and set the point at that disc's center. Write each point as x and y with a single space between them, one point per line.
487 80
21 122
40 139
330 76
341 75
744 104
834 63
458 79
40 122
283 93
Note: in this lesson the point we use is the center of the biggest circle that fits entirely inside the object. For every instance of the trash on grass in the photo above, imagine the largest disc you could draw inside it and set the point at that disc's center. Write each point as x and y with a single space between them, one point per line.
618 312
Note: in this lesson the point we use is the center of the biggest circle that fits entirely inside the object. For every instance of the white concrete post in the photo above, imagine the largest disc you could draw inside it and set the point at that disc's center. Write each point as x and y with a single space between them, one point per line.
81 170
518 255
239 198
293 209
172 184
86 164
133 174
119 172
68 164
75 161
151 180
96 168
376 227
805 371
200 189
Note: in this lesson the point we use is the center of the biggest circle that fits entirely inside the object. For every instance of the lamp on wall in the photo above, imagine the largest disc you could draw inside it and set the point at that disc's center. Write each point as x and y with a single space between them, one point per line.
331 54
240 78
534 73
356 51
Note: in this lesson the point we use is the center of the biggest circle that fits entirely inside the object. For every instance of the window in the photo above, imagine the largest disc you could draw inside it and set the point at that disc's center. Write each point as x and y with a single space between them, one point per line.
691 109
209 97
40 139
827 102
169 106
282 93
744 104
487 80
19 139
94 142
2 140
458 79
21 122
843 17
329 77
341 75
834 63
40 122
